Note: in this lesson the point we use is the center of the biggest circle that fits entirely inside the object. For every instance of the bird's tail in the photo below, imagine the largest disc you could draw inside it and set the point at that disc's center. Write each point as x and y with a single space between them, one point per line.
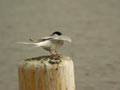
32 42
25 42
36 43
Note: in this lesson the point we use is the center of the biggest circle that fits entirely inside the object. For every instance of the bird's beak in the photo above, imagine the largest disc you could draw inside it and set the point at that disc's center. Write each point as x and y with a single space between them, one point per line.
69 40
66 38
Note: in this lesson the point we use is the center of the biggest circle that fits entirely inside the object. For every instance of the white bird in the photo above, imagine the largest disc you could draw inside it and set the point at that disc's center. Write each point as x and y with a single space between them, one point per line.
50 43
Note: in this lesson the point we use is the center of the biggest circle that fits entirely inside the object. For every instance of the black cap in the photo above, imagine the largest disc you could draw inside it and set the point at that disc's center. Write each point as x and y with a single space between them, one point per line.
57 33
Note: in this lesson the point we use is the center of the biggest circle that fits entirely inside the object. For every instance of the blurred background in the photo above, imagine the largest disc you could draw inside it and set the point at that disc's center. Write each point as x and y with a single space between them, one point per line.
93 25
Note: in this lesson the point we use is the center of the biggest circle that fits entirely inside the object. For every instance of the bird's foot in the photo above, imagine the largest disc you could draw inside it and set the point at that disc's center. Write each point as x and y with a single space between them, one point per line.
55 55
52 54
58 54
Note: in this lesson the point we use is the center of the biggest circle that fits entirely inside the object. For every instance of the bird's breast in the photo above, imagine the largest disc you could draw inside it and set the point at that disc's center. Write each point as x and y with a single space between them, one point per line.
56 44
53 45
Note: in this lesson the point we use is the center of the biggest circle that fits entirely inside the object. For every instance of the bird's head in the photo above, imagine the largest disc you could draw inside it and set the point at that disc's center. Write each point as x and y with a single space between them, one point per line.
56 33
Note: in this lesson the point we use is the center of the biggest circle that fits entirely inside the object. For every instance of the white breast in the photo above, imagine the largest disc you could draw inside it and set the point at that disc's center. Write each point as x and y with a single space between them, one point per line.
53 45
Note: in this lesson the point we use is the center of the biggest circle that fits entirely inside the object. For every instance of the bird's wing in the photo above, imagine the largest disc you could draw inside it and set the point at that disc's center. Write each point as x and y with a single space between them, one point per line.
40 40
38 43
47 37
43 43
35 41
62 37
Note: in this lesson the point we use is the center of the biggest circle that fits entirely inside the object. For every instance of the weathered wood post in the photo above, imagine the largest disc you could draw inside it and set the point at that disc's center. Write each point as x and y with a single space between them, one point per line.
46 73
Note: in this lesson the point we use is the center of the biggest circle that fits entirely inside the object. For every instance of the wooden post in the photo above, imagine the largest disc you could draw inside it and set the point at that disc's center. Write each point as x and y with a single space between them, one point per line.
46 73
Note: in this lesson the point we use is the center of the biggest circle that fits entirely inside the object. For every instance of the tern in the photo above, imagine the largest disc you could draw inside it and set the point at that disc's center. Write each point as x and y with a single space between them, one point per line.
50 43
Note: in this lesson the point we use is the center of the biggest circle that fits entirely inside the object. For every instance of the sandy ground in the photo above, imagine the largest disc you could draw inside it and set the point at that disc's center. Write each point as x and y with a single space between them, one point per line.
93 25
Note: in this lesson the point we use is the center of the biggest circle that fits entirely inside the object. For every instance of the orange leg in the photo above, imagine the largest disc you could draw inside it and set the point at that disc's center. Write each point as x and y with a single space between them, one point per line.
57 53
51 53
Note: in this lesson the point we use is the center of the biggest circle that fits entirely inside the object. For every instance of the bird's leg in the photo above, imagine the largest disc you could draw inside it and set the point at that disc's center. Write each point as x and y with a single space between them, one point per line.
57 53
51 53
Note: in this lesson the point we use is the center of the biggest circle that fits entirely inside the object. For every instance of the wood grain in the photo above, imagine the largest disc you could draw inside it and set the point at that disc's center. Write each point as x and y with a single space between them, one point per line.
46 73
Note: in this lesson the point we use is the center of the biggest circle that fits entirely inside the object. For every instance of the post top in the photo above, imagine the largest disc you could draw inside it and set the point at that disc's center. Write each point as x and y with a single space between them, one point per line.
49 59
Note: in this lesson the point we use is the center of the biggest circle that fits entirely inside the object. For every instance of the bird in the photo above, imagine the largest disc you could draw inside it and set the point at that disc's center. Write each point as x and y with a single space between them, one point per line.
50 43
